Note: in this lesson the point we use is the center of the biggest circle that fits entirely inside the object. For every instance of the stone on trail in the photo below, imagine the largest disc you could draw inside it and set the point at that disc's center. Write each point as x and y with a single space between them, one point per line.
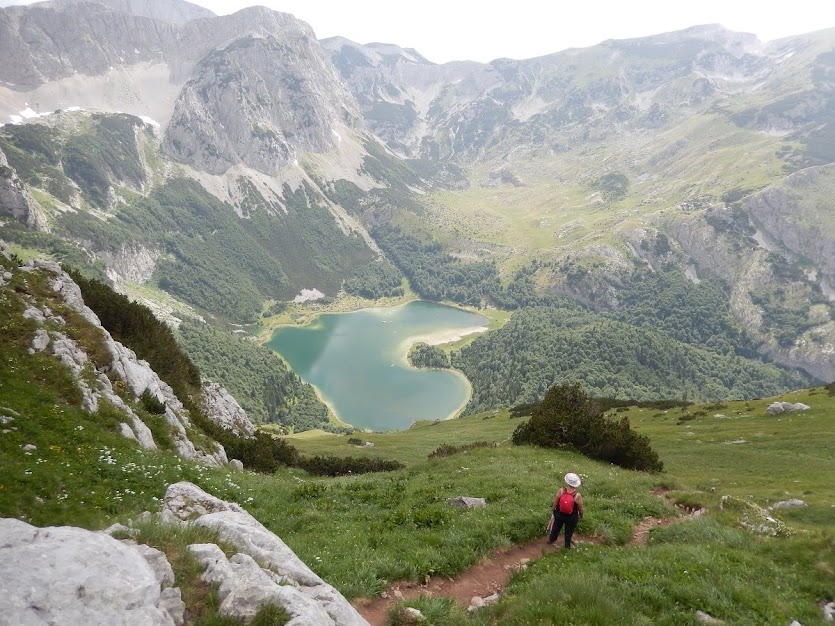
467 503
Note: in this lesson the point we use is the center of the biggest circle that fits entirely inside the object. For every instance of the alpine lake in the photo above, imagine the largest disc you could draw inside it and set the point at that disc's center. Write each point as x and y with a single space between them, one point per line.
358 362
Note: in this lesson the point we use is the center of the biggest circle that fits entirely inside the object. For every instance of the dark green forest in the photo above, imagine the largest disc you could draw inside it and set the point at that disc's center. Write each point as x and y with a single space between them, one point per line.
380 279
438 276
220 263
258 379
424 355
698 314
433 273
543 346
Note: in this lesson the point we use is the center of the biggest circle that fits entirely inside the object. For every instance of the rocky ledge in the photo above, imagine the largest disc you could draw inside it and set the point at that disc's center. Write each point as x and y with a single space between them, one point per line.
66 575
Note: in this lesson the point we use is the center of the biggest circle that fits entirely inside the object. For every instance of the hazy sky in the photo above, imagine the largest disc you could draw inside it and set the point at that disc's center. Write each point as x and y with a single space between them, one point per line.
480 30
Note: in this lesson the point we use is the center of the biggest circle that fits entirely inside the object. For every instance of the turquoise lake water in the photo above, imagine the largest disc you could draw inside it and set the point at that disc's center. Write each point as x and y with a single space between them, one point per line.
357 361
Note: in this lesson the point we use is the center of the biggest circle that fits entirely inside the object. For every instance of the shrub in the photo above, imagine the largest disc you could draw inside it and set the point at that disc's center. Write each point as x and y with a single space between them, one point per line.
342 466
261 453
566 417
446 449
152 404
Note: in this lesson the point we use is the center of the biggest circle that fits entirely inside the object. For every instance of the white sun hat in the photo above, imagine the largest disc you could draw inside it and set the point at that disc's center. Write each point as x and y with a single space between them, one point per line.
572 480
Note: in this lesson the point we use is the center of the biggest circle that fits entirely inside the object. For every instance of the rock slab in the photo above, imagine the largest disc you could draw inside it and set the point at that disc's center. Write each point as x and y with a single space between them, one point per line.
66 575
264 571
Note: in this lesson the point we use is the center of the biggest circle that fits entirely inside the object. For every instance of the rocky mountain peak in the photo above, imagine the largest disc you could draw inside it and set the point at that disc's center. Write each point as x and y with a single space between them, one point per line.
374 54
259 101
733 41
172 11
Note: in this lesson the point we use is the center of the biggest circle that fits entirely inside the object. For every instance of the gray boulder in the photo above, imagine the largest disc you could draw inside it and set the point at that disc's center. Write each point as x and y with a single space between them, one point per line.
276 562
707 618
828 610
792 503
244 587
65 575
777 408
466 502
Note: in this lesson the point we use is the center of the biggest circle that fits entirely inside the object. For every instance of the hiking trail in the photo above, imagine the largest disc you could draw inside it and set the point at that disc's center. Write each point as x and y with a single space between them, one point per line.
492 573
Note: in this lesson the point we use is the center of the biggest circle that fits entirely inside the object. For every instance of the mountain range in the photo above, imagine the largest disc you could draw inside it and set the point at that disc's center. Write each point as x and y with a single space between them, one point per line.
647 225
216 166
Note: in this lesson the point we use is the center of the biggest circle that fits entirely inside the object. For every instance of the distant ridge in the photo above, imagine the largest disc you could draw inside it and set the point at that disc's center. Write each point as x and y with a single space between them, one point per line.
172 11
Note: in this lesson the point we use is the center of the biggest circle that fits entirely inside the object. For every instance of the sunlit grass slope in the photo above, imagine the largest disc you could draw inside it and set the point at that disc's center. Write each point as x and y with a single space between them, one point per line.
60 465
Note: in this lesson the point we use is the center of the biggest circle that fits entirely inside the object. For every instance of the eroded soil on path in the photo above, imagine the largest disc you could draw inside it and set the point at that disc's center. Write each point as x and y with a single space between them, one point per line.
492 573
484 579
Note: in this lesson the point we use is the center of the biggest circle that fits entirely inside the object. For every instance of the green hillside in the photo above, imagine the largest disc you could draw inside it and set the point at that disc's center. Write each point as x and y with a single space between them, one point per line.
362 533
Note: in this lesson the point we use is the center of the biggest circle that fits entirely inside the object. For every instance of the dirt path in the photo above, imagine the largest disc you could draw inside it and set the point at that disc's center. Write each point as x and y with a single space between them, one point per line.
488 577
491 575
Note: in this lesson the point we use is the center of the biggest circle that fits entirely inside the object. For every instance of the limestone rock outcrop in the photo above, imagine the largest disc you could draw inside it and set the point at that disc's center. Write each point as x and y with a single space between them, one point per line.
66 575
16 201
260 101
224 410
136 374
265 571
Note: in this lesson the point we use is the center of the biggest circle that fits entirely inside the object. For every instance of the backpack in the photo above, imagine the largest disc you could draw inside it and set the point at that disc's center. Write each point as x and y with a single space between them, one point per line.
566 503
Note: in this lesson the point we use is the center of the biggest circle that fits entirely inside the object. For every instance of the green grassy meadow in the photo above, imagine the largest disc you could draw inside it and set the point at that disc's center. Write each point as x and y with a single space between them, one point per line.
62 466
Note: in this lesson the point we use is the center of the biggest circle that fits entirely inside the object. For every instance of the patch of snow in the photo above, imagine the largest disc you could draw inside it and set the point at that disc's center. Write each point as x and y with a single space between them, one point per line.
149 120
15 119
309 295
336 134
72 109
29 114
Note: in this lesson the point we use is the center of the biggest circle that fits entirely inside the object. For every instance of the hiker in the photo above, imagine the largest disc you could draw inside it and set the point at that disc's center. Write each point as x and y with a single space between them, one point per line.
568 509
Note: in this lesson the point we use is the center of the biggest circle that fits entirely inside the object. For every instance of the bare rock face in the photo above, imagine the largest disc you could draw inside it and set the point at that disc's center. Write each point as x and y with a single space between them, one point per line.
16 201
793 213
259 101
133 262
224 410
265 571
46 43
171 11
65 575
137 374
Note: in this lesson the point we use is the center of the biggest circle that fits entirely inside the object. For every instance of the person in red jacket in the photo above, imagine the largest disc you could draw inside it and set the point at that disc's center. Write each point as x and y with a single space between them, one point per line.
568 509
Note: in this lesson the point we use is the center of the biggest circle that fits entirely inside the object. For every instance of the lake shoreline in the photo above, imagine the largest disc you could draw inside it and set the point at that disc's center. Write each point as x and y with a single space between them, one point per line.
443 335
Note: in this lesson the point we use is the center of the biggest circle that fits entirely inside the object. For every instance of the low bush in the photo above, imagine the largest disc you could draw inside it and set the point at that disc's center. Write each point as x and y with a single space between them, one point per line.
152 404
342 466
567 418
446 449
